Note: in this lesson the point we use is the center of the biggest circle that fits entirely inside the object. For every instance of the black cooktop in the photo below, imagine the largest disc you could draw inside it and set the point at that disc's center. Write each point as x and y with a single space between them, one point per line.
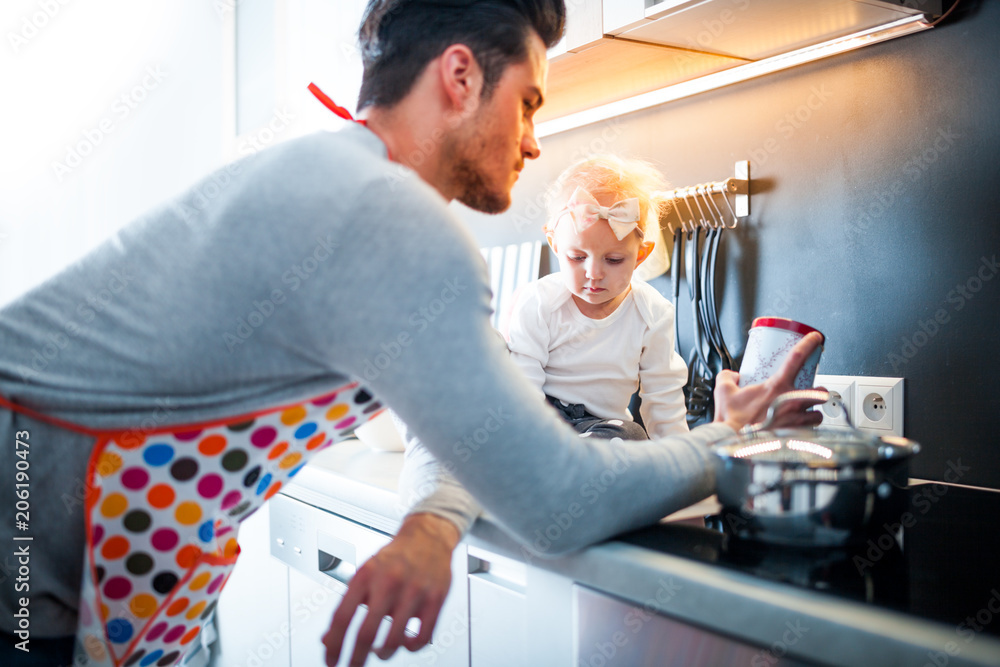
944 566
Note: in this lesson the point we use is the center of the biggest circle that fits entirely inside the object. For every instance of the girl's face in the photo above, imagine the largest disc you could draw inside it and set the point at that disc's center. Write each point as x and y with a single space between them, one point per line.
597 267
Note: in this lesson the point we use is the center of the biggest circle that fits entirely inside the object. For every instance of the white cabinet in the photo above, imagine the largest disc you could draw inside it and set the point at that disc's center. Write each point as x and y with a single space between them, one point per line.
618 49
252 616
519 614
591 66
497 610
323 550
613 633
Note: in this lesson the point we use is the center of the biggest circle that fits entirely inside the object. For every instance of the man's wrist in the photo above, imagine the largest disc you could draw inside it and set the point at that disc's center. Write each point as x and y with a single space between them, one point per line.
431 525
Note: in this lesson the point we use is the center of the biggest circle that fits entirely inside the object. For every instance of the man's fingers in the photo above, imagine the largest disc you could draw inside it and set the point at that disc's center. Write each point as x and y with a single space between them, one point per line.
730 380
785 377
406 608
334 637
428 619
797 413
366 637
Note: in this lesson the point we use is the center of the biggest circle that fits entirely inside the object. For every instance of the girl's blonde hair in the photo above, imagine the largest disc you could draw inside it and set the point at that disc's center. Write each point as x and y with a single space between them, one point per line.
620 178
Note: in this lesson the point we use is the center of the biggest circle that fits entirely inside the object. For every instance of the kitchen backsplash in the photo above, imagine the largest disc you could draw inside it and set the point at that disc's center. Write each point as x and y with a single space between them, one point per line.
874 217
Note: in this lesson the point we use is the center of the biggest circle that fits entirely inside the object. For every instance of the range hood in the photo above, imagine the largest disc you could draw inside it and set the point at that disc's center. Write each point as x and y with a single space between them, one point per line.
624 55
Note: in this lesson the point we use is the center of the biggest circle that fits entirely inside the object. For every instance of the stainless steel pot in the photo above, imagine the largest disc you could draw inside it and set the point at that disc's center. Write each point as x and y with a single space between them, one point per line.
811 487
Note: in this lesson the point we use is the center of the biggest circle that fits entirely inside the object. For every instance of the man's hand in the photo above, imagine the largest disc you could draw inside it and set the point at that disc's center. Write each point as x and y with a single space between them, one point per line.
409 577
739 407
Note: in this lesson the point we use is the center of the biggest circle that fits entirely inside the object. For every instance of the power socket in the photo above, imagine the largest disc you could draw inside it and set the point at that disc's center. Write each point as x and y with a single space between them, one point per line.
878 405
875 404
841 387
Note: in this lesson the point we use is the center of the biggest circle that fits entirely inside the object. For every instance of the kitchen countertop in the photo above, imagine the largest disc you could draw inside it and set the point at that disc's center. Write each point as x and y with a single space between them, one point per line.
359 483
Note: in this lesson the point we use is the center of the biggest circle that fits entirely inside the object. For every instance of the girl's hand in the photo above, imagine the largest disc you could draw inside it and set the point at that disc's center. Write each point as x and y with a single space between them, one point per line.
738 407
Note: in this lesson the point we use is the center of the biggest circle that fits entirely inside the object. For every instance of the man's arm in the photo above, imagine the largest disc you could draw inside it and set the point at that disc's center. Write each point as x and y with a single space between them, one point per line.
426 486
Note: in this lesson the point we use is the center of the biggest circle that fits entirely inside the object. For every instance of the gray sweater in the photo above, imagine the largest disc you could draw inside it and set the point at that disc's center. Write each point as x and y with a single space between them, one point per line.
277 279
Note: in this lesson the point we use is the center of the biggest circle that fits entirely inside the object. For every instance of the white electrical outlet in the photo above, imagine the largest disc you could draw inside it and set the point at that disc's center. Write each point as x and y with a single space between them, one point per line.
878 405
875 404
841 387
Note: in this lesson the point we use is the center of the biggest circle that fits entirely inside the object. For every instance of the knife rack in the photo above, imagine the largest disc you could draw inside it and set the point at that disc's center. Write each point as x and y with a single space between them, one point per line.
705 211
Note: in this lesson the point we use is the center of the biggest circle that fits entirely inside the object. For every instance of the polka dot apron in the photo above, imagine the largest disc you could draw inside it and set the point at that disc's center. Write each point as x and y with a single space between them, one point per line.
162 511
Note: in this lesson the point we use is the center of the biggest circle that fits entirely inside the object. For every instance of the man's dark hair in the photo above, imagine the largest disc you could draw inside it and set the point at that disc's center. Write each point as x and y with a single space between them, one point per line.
400 37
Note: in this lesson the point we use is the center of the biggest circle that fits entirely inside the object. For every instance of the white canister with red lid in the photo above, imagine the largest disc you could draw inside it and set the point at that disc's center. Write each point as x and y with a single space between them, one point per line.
771 338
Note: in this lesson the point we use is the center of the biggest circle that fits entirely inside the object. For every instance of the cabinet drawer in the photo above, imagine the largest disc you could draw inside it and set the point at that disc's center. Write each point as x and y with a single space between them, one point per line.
613 632
497 610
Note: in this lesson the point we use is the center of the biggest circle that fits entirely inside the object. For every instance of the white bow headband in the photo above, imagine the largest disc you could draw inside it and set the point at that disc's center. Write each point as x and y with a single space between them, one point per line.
584 211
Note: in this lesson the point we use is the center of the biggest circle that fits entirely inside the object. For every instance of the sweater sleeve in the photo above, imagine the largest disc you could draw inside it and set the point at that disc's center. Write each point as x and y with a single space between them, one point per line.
425 485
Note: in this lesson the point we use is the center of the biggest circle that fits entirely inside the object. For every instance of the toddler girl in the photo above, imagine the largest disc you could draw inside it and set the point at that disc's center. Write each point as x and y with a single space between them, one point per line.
590 335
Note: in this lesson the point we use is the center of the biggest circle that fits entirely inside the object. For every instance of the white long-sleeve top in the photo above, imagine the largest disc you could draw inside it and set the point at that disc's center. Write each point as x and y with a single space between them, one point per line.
600 363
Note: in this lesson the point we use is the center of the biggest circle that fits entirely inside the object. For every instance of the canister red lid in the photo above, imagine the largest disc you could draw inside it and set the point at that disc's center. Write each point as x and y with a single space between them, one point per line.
785 323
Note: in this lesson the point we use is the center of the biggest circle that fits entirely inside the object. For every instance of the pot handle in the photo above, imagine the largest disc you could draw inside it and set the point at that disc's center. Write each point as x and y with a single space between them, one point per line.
798 394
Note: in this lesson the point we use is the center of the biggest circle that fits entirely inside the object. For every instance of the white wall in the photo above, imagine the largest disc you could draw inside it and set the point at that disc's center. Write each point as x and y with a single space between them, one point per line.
64 68
63 85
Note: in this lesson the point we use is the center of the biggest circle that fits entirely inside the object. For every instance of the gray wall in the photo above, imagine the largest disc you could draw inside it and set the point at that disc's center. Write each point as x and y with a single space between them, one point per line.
875 197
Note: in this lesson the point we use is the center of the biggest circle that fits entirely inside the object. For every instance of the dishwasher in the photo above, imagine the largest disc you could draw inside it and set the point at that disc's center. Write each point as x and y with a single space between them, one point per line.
323 551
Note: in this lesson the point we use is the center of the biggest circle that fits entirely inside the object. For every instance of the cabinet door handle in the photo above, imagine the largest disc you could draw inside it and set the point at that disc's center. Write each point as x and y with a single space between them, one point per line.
337 559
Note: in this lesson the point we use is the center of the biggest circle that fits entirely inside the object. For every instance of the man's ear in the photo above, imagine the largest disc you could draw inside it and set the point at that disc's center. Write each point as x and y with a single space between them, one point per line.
644 250
461 77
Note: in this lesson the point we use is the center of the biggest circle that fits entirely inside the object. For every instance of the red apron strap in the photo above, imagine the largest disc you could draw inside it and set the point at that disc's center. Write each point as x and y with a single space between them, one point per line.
34 414
331 105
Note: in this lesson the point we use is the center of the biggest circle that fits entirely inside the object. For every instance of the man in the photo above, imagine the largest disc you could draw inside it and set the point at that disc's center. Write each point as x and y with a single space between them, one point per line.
322 255
481 110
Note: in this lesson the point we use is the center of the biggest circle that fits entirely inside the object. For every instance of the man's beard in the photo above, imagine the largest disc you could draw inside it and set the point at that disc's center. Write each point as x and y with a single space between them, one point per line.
473 191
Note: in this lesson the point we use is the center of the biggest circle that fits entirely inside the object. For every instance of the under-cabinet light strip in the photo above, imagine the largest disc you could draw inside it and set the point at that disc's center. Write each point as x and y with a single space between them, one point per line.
733 75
